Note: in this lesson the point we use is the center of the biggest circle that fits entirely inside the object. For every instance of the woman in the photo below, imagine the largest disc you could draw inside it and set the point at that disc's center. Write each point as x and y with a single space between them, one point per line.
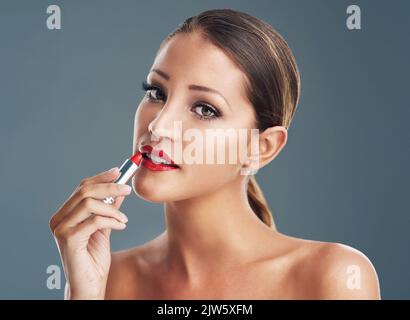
221 69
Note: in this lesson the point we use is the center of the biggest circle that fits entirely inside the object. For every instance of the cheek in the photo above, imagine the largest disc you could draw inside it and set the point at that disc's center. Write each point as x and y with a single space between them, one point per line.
141 118
192 181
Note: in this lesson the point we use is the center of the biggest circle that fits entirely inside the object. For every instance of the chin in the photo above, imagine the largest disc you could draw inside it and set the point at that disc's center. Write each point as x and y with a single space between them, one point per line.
150 191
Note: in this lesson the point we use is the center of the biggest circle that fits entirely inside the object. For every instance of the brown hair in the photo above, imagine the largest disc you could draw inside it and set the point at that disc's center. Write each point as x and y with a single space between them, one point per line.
273 80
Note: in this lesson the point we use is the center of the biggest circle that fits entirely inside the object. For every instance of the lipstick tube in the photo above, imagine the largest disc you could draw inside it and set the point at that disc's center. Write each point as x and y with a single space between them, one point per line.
127 170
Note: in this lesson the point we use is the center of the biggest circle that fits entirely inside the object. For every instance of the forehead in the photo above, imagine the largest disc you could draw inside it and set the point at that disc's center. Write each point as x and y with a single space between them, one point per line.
192 59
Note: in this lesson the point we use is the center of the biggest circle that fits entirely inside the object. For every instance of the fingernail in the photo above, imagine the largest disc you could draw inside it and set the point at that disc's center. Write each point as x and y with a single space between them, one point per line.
112 170
125 188
124 217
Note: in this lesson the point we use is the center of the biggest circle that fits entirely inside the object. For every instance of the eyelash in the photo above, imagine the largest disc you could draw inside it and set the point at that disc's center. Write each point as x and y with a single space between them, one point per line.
147 87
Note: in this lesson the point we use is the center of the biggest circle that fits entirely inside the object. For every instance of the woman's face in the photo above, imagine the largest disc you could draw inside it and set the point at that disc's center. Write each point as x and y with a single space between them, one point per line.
177 106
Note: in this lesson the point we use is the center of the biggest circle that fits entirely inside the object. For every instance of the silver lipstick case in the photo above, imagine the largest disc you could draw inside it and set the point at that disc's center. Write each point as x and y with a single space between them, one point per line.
127 170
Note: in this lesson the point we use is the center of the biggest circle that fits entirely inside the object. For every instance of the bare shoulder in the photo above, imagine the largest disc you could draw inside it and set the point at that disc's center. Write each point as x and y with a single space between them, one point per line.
345 273
329 270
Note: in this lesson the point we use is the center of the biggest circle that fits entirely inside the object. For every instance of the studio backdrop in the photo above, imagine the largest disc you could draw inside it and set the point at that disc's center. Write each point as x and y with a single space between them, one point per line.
70 82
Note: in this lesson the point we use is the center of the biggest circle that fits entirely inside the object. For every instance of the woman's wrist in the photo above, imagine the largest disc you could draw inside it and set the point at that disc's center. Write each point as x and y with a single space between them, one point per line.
71 294
86 296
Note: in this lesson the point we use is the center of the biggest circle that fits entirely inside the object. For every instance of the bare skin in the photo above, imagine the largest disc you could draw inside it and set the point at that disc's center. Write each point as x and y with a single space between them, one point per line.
214 246
284 268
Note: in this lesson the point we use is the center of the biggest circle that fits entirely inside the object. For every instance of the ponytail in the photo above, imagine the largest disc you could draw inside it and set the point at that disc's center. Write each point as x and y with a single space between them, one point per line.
258 203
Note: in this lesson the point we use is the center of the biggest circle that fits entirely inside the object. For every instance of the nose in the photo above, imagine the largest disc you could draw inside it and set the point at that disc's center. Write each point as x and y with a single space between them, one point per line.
158 132
165 126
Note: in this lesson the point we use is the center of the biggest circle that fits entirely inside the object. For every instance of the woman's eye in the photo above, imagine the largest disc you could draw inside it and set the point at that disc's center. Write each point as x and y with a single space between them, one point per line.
155 94
201 111
205 112
152 92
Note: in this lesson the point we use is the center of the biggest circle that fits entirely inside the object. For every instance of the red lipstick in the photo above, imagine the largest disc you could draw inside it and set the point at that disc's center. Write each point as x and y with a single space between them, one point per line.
156 160
127 170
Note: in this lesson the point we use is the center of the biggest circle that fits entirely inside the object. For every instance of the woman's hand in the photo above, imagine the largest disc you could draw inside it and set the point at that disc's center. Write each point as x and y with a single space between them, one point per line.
82 227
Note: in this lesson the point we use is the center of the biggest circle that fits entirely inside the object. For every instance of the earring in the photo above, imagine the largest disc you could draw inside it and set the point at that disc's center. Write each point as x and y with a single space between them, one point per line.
245 170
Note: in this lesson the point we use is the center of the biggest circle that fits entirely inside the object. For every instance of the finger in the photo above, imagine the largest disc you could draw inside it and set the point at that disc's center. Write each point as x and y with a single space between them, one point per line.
117 205
97 191
118 202
106 232
100 236
89 206
94 223
106 176
103 190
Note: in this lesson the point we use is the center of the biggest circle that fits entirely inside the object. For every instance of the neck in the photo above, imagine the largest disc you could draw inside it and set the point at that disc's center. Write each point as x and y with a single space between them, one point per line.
213 231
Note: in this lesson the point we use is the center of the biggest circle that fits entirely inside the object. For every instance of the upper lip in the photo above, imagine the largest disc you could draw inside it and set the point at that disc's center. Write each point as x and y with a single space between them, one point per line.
157 153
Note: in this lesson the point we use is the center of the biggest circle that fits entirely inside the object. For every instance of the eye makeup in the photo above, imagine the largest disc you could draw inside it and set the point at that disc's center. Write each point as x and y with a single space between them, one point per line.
148 88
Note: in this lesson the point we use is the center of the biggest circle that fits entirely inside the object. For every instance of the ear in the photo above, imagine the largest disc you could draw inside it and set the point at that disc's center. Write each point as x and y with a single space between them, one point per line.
271 142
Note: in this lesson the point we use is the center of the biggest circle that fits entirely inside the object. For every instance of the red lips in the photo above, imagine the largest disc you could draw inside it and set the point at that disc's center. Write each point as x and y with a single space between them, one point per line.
149 164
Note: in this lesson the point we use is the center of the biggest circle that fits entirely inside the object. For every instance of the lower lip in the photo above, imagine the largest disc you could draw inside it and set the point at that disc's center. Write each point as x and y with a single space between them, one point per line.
147 163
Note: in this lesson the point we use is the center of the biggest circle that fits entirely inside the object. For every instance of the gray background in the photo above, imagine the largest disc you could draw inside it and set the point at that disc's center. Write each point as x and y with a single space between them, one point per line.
68 99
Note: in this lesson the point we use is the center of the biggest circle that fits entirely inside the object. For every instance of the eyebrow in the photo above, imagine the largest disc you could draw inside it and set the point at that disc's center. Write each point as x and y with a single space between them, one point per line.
193 86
